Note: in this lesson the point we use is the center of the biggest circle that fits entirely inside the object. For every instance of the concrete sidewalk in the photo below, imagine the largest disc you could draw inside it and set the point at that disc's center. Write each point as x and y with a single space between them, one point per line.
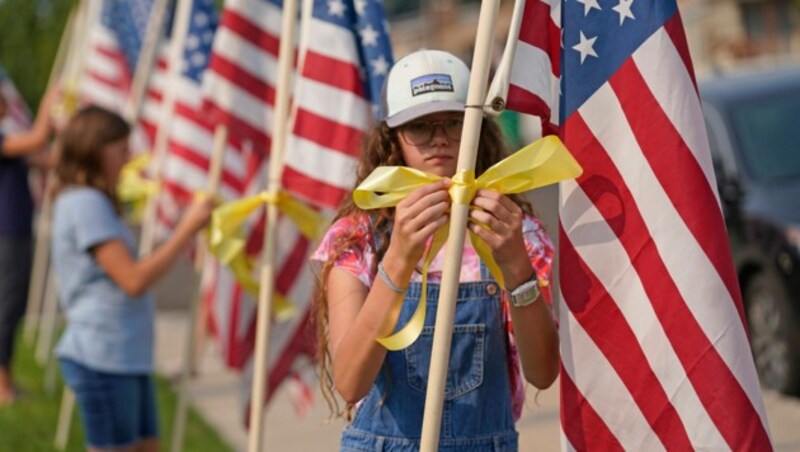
216 395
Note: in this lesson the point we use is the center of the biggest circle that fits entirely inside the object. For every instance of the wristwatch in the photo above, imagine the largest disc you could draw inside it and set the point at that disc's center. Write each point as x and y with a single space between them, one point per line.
525 294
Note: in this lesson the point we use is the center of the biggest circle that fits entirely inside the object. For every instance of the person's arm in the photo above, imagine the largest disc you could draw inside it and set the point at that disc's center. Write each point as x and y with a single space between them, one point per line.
134 276
35 138
43 159
534 328
357 315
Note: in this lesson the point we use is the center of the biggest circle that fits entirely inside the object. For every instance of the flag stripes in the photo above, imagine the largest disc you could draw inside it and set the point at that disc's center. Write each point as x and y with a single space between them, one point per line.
657 277
107 78
539 46
335 100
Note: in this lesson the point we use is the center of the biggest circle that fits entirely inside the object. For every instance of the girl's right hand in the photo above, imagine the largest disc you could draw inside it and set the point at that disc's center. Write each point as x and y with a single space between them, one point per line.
198 213
416 218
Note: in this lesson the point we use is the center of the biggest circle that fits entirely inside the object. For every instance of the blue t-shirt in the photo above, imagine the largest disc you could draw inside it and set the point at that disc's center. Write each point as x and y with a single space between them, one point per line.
16 207
107 330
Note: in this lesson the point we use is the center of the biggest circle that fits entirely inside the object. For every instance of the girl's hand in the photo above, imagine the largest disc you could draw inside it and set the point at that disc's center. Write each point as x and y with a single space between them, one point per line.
416 218
198 214
504 236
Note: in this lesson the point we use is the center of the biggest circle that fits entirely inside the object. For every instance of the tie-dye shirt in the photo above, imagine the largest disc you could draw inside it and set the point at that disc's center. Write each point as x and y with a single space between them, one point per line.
359 261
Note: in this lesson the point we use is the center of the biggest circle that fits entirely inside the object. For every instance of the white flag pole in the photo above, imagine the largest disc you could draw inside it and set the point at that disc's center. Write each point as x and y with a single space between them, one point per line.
64 419
74 66
41 257
214 177
87 17
498 91
147 55
445 312
286 57
181 28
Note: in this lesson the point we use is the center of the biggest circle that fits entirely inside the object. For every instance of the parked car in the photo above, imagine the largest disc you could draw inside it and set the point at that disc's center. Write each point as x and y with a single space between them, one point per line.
753 123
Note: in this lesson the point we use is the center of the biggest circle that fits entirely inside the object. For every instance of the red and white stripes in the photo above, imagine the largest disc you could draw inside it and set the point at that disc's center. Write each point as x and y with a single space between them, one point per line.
655 354
332 114
239 88
107 77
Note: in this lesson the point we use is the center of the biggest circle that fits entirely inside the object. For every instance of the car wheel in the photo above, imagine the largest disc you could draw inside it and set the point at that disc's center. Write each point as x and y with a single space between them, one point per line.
774 333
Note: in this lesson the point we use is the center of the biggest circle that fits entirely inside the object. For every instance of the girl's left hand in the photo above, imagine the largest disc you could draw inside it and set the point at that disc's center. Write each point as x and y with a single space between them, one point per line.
504 220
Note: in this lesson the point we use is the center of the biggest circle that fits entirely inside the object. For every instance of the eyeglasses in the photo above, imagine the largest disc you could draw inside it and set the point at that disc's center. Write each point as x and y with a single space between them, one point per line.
420 133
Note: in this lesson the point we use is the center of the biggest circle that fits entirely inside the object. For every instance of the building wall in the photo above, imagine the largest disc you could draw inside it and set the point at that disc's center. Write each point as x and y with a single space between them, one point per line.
723 34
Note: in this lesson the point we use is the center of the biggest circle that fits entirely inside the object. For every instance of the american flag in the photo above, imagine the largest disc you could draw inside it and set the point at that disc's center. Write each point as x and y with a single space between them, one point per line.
345 61
114 45
184 168
334 101
533 87
240 88
654 348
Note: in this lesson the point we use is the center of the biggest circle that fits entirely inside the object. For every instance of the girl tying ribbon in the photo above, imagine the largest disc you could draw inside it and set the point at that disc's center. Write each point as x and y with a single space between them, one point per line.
375 269
106 351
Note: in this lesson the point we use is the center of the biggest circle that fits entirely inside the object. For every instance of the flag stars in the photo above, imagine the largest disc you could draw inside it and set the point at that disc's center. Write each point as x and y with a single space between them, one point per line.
380 66
192 42
336 8
198 59
200 19
624 10
588 5
369 36
586 47
361 6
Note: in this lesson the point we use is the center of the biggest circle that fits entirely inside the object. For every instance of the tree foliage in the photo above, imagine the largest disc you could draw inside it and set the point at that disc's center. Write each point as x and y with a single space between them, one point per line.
30 31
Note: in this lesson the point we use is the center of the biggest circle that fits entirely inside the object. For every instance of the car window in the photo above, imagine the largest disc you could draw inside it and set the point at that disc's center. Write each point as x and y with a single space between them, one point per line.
767 129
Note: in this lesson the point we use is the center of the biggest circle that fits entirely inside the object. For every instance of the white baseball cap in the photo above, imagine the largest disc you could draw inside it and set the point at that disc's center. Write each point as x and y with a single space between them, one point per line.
424 82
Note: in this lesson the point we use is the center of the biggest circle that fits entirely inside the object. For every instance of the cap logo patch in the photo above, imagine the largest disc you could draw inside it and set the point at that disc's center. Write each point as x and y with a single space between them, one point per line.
431 83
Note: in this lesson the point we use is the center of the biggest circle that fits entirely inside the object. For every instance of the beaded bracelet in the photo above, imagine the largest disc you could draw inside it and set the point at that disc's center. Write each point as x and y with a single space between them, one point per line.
388 281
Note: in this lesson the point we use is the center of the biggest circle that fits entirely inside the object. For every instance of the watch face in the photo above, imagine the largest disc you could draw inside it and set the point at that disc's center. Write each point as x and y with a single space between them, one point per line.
526 295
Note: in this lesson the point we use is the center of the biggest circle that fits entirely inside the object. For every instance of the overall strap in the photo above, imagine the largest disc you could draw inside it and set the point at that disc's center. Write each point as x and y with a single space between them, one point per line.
485 274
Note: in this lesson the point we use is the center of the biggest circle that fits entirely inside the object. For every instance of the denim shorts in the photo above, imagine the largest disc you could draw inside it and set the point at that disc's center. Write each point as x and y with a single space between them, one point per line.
117 410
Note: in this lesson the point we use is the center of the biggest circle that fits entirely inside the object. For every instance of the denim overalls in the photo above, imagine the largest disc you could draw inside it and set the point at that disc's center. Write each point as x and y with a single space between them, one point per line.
477 414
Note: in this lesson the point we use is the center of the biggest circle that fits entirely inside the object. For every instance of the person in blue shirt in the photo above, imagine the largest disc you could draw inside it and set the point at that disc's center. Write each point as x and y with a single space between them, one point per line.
16 212
106 351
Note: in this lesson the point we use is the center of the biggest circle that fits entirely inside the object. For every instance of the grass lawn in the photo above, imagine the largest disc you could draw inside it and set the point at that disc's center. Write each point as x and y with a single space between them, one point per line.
30 424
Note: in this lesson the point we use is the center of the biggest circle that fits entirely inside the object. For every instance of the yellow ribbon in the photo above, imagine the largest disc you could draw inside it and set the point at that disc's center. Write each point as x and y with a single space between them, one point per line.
227 243
543 162
133 189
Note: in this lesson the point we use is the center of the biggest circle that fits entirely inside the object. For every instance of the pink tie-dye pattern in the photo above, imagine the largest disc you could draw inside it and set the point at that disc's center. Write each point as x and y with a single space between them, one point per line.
359 261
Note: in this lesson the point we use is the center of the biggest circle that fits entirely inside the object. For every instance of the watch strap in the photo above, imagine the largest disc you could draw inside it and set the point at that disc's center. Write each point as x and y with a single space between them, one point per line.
525 294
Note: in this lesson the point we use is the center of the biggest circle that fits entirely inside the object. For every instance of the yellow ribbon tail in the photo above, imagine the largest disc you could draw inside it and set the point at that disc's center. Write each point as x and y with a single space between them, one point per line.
409 333
282 308
242 269
310 222
227 243
225 239
485 253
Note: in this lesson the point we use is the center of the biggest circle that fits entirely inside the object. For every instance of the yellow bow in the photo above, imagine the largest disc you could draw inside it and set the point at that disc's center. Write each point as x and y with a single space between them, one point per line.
227 243
544 162
133 189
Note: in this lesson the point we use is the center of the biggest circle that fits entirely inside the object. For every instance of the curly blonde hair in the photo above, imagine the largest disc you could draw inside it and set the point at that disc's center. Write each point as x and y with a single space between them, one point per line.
381 147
